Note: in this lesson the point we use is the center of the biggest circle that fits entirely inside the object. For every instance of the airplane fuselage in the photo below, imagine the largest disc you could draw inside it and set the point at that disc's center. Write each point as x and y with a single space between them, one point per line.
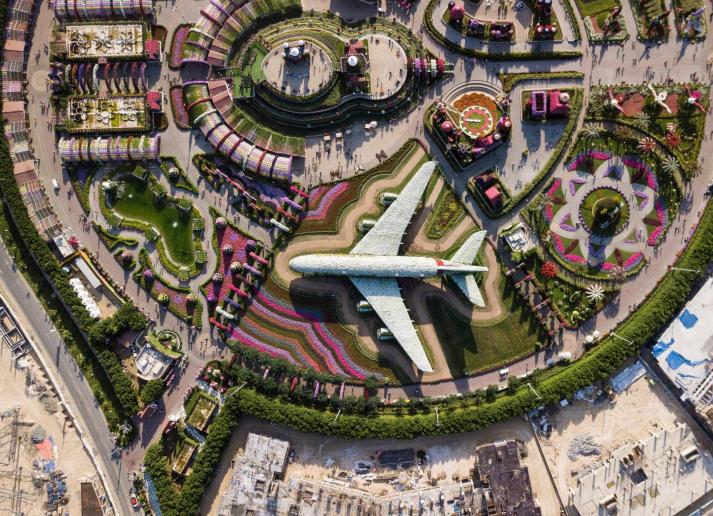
378 266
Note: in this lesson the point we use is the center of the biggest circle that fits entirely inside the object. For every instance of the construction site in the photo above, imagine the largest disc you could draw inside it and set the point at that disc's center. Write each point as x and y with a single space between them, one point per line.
661 474
280 471
44 469
582 435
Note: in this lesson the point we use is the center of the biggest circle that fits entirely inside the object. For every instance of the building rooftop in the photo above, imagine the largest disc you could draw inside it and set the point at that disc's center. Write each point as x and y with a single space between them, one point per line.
661 474
255 471
506 482
684 349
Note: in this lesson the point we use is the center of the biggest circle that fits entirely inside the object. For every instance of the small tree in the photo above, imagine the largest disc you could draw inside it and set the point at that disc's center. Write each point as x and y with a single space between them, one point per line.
491 392
152 390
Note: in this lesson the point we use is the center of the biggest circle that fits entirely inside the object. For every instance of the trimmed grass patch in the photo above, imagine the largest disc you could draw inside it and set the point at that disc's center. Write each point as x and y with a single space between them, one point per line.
470 348
174 225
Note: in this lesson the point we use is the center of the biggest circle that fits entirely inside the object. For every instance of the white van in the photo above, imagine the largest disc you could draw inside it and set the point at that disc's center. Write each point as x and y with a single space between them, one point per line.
384 334
55 185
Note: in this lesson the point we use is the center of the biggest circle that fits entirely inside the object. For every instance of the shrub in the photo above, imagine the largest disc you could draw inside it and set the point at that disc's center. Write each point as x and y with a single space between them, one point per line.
151 391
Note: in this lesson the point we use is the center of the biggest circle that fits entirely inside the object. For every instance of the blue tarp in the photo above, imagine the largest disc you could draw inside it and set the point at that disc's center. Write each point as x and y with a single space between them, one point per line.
688 319
676 360
622 380
662 346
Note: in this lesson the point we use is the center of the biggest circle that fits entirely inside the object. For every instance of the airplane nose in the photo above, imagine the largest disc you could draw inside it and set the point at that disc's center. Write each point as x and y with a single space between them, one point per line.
296 264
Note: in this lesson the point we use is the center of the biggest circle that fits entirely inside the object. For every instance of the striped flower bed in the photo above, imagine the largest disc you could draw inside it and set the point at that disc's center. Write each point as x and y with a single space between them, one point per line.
322 198
317 331
179 39
178 108
275 323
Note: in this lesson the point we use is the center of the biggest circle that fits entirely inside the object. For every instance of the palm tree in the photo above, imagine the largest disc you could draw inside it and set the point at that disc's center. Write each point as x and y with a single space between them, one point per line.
670 165
591 131
647 144
595 292
642 121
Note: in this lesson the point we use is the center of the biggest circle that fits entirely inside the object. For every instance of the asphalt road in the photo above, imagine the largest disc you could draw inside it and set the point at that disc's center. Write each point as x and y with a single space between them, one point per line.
39 329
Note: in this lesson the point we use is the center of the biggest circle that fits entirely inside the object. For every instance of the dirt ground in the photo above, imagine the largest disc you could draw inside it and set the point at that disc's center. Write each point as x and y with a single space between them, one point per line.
643 408
38 407
449 457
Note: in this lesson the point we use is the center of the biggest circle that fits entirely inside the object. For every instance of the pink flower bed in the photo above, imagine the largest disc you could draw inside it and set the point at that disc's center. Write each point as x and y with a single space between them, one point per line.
633 260
552 189
548 213
662 216
559 247
323 197
227 236
638 164
316 333
180 116
247 340
179 39
584 156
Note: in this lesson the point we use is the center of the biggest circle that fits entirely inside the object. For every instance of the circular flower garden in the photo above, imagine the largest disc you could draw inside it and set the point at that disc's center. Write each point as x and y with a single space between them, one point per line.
604 213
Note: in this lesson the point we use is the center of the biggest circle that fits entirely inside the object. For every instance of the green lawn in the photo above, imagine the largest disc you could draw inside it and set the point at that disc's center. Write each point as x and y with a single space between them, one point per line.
592 7
174 226
599 200
474 348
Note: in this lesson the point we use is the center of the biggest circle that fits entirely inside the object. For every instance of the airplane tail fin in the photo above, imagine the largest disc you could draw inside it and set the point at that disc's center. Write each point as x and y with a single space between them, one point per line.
466 255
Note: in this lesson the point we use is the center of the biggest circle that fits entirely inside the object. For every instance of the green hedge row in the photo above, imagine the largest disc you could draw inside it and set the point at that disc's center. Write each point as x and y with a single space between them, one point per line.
641 327
187 501
494 56
48 264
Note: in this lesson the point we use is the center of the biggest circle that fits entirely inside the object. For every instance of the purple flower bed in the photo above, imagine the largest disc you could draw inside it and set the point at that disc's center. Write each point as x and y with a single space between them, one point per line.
574 184
325 196
180 115
644 199
179 40
566 223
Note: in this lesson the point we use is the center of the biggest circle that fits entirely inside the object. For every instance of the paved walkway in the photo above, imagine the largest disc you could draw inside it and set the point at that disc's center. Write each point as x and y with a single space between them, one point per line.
632 62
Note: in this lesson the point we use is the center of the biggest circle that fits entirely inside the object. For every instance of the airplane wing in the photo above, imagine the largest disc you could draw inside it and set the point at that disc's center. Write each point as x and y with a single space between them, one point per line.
469 250
469 287
385 237
384 296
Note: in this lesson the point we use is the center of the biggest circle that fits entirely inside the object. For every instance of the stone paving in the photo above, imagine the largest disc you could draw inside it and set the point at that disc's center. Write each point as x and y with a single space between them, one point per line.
301 78
633 62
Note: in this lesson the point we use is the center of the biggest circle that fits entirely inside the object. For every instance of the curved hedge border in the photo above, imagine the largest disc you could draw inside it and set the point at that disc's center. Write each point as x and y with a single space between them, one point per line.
187 500
98 365
642 326
494 56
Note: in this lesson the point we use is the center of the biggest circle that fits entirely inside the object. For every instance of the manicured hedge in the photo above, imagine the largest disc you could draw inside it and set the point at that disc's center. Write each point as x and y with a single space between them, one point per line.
48 264
494 56
641 328
187 501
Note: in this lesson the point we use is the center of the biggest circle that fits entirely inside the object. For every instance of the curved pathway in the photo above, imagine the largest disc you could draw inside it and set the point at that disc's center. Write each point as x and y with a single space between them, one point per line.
633 62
